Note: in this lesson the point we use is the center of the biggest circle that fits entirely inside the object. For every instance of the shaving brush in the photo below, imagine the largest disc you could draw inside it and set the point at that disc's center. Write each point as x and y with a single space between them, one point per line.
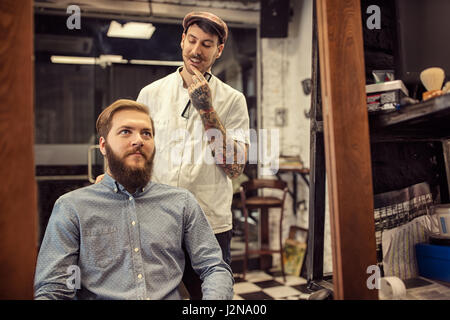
446 87
432 79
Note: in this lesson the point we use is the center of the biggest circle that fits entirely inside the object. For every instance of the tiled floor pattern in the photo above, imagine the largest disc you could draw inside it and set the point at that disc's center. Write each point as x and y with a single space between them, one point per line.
260 285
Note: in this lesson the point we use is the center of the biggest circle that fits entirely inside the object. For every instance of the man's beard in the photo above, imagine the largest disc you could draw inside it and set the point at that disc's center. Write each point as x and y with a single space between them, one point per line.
130 178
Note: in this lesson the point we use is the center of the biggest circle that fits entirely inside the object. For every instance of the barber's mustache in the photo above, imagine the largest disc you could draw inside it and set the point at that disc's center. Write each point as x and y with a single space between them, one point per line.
196 56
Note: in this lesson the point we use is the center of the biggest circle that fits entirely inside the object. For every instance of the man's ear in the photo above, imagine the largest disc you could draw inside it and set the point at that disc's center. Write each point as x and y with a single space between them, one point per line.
182 41
220 50
102 143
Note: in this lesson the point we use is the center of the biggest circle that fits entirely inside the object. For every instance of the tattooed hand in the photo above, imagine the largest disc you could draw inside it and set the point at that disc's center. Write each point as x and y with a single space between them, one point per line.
199 91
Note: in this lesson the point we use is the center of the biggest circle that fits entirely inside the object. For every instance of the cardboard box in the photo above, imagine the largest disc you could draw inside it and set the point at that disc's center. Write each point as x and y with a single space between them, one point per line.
386 95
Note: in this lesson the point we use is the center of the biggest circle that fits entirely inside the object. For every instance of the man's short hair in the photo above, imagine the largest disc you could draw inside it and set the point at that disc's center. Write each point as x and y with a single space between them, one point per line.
104 120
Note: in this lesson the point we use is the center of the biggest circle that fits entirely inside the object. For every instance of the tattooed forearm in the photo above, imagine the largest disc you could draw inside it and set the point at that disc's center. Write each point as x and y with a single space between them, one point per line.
230 155
212 121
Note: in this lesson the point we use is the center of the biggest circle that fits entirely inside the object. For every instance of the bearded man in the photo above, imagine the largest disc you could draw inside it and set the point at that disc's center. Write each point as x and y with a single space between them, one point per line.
126 236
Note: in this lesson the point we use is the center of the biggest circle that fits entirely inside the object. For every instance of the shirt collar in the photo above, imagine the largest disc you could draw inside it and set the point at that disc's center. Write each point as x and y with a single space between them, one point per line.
116 187
180 78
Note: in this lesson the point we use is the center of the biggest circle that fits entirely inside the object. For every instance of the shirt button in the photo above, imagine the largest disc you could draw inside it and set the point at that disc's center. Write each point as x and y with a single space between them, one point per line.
130 198
133 223
115 189
139 276
136 249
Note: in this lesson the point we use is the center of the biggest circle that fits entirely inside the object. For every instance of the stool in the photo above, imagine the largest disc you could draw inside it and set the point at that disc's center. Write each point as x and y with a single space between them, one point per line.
262 203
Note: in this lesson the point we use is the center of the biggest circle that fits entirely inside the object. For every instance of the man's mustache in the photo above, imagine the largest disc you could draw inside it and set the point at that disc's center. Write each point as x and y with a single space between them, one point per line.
196 56
137 150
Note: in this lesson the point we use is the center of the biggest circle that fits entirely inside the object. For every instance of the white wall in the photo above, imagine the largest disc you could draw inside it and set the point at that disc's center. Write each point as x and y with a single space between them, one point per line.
285 63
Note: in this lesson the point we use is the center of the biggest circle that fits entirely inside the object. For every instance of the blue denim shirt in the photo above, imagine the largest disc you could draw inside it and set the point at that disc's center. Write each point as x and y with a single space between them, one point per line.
128 246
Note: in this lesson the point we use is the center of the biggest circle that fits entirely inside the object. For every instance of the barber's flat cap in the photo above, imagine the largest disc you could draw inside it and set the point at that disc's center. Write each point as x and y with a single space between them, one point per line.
218 24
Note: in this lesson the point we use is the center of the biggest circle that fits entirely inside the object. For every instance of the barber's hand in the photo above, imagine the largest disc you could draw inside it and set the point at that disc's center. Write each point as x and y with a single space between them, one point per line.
199 91
99 178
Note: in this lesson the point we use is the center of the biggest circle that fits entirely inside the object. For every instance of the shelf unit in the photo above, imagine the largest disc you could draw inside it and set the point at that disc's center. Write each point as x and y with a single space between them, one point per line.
421 122
428 120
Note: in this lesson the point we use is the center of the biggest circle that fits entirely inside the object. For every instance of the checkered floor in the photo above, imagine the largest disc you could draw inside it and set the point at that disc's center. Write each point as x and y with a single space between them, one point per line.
260 285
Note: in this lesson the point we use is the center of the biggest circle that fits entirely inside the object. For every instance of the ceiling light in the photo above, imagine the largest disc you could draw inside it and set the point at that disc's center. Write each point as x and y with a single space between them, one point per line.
72 60
157 62
132 30
104 59
110 58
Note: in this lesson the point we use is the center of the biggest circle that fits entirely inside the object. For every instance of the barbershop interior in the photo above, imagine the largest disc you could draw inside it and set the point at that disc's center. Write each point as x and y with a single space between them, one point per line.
345 193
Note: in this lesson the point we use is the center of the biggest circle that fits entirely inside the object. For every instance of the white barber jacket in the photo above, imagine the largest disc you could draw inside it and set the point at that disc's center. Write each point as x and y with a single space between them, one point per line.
183 157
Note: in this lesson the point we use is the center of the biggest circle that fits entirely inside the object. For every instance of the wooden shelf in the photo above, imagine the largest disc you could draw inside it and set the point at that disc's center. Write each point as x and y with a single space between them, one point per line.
429 120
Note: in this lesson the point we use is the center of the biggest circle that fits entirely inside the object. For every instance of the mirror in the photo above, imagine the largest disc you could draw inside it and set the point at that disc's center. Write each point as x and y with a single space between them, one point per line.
71 92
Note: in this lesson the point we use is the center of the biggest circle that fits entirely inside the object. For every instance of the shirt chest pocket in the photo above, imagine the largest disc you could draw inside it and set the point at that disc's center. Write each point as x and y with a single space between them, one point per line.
101 246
